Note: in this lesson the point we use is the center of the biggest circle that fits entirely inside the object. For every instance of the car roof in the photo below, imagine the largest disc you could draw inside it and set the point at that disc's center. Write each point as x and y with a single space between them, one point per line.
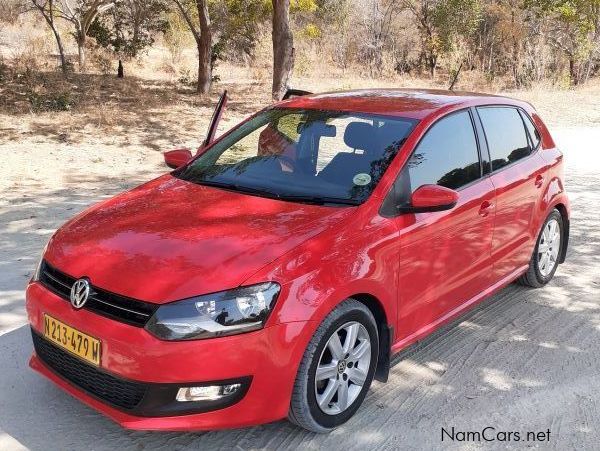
412 103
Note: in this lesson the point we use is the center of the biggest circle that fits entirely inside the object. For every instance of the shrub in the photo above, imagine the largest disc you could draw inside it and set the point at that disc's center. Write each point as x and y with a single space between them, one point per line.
55 101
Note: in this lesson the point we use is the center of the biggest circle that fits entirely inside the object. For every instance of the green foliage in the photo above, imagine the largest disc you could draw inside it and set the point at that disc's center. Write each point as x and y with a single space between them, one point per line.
303 6
130 26
177 35
311 31
238 25
575 31
454 19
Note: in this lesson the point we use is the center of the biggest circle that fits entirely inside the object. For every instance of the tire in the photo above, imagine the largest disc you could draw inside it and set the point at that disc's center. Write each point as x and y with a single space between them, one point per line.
537 274
349 319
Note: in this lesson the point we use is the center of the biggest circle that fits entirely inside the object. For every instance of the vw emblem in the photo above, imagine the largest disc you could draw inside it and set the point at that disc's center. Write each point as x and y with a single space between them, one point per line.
79 293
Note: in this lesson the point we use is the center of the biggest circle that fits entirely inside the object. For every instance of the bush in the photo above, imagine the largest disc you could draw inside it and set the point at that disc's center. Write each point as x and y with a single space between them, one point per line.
58 101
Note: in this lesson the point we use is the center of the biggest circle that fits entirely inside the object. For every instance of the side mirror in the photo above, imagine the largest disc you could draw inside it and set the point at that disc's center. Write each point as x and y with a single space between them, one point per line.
428 198
177 158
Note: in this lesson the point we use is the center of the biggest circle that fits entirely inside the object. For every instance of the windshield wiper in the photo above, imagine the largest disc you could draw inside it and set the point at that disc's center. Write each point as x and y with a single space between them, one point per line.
319 200
240 188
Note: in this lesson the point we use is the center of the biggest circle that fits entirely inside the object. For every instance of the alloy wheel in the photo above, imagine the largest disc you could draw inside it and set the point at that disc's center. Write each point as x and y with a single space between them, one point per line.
343 367
549 247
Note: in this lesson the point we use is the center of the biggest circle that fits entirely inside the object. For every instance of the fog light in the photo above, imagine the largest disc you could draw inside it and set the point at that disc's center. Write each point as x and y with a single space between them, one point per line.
206 393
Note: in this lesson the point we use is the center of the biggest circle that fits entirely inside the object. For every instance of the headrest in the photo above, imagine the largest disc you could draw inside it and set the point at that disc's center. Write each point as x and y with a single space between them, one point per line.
359 135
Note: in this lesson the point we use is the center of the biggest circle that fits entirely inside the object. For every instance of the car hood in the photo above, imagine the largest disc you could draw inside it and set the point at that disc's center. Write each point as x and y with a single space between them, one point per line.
170 239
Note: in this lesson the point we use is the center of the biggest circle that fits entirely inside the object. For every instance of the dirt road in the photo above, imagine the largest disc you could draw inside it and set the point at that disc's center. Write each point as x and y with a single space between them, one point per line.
525 360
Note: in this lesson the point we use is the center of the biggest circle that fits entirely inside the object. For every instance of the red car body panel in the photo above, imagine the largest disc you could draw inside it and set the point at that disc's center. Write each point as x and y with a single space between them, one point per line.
186 229
169 240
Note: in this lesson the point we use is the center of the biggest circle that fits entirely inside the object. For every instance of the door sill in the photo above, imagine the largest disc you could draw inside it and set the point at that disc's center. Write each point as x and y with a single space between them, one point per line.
452 314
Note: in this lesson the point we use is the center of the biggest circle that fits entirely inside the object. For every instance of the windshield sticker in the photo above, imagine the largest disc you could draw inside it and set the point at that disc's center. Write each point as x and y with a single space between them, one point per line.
361 179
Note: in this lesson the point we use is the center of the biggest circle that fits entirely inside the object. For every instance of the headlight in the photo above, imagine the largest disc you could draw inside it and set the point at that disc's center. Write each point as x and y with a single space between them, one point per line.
215 315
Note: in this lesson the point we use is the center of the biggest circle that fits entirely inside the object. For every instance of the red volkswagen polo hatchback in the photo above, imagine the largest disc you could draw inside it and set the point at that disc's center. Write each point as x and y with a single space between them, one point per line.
276 272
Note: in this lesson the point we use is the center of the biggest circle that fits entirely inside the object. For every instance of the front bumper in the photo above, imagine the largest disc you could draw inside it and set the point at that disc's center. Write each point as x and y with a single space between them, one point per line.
265 360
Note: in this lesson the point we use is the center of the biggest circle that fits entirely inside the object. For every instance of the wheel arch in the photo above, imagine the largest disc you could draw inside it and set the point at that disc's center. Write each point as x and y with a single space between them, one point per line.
385 331
562 209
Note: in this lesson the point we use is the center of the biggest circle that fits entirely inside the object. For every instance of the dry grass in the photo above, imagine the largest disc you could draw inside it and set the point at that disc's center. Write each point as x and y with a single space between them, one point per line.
156 112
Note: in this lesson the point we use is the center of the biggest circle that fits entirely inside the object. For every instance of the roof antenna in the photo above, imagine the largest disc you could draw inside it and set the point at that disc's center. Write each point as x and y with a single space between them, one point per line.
451 88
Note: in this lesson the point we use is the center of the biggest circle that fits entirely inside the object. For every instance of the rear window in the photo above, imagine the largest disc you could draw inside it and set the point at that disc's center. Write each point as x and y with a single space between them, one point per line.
505 135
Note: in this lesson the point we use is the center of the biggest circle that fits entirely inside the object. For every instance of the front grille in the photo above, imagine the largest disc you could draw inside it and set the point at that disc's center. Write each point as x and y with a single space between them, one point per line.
110 389
120 308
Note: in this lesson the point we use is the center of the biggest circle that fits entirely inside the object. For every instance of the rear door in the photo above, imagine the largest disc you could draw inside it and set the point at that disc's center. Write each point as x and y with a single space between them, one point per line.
518 176
445 256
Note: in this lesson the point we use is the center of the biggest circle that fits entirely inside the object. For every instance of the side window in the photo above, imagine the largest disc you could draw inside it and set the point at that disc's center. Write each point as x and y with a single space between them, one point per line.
505 134
447 155
533 133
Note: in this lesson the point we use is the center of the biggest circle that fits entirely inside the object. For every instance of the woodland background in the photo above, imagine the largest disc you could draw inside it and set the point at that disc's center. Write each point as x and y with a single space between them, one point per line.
491 44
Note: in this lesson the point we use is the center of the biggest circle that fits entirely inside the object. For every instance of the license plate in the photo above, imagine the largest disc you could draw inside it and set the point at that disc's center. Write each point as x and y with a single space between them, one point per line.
72 340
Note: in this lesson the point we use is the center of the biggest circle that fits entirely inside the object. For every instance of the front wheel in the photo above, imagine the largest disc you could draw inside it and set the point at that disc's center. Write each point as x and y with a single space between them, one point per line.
546 254
337 369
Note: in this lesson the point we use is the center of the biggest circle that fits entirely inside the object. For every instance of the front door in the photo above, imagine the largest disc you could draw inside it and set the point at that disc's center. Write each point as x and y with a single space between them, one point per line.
445 256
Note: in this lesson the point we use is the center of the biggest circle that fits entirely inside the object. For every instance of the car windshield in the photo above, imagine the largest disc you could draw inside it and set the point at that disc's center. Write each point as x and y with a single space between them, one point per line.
315 156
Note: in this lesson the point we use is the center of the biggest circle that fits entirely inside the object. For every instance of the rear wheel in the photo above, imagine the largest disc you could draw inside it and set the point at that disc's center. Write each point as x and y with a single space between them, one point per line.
546 254
337 369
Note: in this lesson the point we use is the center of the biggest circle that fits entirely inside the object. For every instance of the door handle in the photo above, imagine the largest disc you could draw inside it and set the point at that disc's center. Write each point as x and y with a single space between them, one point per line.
539 181
485 208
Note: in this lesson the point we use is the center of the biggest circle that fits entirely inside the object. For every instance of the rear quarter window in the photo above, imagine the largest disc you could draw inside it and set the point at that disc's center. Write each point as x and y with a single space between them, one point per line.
505 134
534 135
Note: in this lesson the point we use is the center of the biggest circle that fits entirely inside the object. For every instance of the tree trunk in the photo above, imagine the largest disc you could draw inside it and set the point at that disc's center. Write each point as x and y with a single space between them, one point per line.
283 48
81 50
49 17
204 45
432 60
573 72
61 50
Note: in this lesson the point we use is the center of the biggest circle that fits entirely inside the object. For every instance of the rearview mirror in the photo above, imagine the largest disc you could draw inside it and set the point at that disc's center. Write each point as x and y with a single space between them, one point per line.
428 198
177 158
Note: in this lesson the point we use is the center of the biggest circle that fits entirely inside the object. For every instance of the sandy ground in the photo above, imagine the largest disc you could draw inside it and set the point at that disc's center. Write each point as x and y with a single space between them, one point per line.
524 360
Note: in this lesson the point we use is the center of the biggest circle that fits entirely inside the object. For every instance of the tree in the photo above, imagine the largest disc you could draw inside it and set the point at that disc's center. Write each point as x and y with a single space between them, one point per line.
440 23
283 48
239 27
196 15
575 32
377 19
46 8
130 26
81 13
11 9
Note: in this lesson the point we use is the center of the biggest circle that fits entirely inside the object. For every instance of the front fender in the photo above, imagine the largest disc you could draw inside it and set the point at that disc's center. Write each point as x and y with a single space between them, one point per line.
343 262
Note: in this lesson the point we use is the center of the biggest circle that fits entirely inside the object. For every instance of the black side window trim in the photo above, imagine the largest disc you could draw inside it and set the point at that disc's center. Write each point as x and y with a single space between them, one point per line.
484 152
519 110
526 116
